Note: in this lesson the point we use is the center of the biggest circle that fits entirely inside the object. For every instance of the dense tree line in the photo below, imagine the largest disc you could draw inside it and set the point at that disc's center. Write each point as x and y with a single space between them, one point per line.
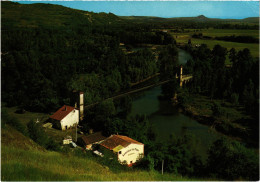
41 66
134 37
243 26
238 84
241 39
200 36
232 38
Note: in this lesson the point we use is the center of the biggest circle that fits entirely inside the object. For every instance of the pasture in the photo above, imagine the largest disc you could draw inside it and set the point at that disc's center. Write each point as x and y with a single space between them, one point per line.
183 38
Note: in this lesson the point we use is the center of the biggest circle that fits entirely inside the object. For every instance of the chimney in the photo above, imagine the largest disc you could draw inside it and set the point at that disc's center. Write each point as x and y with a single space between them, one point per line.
81 106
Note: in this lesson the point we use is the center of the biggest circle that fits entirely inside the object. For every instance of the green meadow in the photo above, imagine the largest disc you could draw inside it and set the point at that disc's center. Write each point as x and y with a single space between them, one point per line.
254 48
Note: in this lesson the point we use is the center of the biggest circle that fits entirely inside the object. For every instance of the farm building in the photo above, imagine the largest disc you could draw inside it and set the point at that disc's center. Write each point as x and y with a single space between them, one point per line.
89 140
126 149
67 140
66 117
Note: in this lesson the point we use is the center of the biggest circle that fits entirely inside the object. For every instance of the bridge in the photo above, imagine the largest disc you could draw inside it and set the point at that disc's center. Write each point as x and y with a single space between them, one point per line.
183 79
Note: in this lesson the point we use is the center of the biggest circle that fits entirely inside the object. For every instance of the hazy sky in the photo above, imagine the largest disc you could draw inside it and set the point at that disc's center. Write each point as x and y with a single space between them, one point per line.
212 9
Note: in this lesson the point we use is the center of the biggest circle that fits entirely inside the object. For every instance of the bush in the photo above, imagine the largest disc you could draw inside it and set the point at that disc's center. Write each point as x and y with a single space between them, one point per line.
184 98
147 162
231 161
14 122
217 109
234 98
37 134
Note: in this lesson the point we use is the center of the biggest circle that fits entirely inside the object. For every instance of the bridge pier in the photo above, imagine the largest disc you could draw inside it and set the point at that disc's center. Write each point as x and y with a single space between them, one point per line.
181 75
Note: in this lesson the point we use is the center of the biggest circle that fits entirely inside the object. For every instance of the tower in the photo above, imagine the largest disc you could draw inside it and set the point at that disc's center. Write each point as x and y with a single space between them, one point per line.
81 106
78 102
181 76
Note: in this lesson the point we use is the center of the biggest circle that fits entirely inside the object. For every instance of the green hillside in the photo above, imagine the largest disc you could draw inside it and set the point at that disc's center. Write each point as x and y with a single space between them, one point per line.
49 15
24 160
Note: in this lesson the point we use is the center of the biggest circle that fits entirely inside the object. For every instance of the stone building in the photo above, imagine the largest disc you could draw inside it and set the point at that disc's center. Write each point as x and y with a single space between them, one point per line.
66 117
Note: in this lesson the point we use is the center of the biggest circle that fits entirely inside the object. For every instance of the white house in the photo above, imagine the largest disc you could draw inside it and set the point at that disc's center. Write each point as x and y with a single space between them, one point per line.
66 117
126 149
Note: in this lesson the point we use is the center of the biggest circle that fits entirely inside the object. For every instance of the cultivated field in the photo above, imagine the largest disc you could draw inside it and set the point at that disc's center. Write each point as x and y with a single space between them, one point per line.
187 34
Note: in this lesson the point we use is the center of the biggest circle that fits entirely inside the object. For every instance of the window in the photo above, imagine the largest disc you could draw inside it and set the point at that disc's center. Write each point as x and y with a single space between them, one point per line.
119 152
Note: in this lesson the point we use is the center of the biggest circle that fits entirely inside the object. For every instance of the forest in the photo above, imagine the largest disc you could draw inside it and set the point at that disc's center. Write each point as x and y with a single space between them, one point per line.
54 61
239 84
44 59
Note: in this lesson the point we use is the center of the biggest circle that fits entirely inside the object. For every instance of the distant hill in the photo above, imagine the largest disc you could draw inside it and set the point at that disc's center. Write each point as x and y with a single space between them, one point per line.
251 20
57 16
200 18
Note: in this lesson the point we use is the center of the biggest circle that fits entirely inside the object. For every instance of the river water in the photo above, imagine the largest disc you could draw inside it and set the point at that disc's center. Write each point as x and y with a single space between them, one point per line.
166 119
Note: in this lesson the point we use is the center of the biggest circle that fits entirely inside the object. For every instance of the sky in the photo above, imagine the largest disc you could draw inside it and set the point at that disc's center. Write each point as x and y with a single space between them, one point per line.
167 9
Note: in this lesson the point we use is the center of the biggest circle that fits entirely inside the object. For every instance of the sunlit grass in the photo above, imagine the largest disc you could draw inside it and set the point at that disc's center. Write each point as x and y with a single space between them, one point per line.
18 164
254 48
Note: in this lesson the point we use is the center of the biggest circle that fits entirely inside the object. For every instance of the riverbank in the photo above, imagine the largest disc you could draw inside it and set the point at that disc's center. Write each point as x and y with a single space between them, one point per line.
233 120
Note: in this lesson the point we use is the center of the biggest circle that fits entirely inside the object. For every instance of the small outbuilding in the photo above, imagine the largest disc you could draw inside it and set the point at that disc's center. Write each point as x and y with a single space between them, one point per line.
67 140
66 117
127 149
89 140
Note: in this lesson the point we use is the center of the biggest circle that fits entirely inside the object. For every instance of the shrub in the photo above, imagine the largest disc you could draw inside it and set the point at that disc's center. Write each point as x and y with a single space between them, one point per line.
231 161
234 98
37 134
217 109
14 122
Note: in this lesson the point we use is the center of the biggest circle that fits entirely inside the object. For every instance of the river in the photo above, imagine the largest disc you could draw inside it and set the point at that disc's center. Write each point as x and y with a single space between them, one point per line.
166 119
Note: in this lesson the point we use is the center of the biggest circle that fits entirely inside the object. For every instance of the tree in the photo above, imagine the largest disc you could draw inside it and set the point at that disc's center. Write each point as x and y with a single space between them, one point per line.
234 98
217 109
232 55
231 161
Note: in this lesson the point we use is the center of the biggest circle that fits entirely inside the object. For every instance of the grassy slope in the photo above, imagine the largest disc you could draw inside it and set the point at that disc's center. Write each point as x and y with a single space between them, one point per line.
50 16
22 159
58 135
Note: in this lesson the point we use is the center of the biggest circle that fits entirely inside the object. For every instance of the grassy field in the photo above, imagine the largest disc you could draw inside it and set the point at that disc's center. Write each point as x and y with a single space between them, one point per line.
254 48
56 134
224 32
27 116
22 159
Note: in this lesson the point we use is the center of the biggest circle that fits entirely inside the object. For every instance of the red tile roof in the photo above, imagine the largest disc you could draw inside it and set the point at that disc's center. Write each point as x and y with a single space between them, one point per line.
90 139
62 112
116 140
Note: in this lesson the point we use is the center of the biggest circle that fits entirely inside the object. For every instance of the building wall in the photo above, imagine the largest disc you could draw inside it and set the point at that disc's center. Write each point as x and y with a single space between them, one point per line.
131 153
70 120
